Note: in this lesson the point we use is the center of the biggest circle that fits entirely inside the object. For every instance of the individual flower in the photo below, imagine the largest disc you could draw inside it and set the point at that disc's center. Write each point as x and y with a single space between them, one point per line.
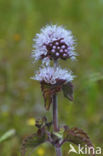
53 42
52 81
52 75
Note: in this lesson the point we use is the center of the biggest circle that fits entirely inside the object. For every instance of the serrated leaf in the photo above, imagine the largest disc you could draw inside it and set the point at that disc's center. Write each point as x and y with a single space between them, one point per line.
77 136
41 136
68 91
49 90
48 101
32 141
46 94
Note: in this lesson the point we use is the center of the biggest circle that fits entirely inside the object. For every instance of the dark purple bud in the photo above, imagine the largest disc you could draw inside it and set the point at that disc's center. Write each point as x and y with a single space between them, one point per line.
64 55
61 41
66 50
54 47
58 47
53 50
61 50
63 46
57 54
56 43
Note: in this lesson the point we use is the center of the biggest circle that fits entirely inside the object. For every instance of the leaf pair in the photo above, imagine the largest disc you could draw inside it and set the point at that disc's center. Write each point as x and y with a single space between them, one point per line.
49 90
44 134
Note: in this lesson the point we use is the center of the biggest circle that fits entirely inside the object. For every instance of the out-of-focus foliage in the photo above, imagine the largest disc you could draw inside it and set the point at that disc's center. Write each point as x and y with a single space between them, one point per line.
7 135
21 98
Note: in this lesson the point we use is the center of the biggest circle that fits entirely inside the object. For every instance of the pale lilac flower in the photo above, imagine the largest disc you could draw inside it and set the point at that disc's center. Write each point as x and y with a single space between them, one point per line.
52 40
51 75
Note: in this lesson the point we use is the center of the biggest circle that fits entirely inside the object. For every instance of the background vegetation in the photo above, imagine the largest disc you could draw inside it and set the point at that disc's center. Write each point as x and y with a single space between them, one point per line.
21 99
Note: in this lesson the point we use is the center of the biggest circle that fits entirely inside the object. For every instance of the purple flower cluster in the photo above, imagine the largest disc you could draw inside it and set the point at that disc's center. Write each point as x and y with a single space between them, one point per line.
57 49
52 43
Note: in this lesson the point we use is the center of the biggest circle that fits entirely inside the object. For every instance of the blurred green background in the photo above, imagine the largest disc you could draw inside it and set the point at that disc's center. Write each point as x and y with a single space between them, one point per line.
21 99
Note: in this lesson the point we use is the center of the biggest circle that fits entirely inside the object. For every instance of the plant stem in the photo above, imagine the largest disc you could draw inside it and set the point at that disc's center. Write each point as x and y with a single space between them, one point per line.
55 122
55 113
58 151
55 116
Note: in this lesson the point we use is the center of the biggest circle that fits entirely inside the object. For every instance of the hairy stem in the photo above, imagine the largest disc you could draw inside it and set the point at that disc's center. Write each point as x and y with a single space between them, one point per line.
55 116
55 113
55 122
58 151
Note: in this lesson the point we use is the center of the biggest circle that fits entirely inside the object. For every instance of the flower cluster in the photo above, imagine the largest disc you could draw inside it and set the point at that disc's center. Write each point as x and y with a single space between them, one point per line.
51 75
54 42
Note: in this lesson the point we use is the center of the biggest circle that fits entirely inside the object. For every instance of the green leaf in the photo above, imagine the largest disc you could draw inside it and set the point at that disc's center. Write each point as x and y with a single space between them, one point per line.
77 136
46 89
68 91
58 135
48 101
49 90
36 139
32 141
7 135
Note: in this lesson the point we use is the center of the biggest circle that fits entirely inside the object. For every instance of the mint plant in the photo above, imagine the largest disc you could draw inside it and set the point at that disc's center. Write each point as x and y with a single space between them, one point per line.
51 45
